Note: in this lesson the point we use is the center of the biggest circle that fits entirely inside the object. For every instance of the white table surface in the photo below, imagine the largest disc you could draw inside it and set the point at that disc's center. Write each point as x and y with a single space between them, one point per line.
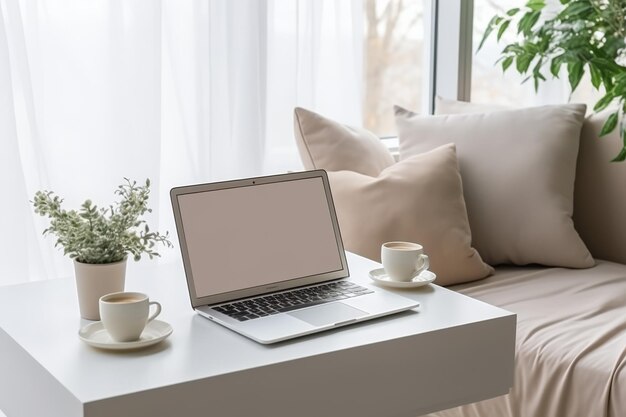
448 342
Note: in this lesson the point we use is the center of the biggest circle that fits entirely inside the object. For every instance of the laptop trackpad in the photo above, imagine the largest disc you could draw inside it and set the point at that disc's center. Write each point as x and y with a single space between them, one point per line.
328 313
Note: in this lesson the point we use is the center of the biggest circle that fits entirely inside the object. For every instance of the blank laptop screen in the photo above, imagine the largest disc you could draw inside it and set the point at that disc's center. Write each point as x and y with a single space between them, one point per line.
249 236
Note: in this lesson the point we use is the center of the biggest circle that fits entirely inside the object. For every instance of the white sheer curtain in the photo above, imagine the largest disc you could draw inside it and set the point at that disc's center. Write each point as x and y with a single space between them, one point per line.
178 91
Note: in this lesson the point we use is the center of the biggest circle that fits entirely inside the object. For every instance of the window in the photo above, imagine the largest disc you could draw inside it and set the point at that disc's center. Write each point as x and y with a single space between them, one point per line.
394 61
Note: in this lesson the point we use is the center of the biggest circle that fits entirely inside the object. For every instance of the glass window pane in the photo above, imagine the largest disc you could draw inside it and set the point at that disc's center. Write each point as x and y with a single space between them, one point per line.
393 54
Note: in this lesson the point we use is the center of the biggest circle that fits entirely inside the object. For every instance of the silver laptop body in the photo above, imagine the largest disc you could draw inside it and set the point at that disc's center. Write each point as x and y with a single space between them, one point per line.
248 242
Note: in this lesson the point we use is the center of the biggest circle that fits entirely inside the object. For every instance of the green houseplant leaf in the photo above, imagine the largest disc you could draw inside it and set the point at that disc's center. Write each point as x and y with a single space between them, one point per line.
575 71
536 5
492 23
610 124
603 102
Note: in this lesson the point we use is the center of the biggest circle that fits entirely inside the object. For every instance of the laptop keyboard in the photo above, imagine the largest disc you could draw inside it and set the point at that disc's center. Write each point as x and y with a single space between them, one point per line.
291 300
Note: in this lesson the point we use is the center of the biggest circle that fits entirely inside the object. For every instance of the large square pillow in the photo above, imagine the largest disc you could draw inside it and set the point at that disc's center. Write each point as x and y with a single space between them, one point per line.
326 144
419 199
598 209
599 202
518 169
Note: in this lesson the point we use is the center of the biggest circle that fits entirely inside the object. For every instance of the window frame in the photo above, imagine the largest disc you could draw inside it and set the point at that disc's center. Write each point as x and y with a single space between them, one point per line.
448 31
452 49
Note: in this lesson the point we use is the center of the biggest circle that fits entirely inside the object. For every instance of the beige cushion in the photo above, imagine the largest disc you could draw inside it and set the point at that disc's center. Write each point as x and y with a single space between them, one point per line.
326 144
599 198
419 200
518 171
599 206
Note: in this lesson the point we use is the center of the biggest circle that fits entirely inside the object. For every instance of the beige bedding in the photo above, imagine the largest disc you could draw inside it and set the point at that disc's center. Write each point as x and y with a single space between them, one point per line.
571 341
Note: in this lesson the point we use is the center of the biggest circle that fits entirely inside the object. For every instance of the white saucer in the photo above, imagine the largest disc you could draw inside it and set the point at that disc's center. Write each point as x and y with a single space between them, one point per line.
425 277
95 335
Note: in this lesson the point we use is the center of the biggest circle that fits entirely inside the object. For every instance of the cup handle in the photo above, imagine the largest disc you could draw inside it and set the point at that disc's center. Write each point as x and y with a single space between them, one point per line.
157 311
422 263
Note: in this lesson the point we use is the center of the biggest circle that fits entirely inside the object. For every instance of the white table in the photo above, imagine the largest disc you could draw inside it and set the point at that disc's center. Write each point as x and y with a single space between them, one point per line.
452 350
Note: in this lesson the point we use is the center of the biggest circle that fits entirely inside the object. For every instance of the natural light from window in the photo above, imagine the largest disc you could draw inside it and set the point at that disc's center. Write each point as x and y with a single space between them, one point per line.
393 55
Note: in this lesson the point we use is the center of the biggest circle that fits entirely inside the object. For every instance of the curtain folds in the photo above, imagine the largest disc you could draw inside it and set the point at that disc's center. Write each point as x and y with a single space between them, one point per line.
176 91
13 246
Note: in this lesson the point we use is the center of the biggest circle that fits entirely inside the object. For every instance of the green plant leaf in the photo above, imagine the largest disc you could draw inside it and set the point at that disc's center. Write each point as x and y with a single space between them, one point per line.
530 47
619 90
544 43
503 28
533 19
506 63
612 44
513 12
596 76
527 22
610 124
536 5
607 81
605 63
603 102
575 71
523 62
513 48
537 75
574 9
490 26
555 65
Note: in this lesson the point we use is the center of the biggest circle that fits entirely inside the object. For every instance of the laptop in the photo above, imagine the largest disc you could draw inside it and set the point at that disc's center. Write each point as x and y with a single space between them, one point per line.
264 257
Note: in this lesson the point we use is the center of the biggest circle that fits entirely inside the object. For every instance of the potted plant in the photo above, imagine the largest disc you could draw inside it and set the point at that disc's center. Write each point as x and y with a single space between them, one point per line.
581 35
100 239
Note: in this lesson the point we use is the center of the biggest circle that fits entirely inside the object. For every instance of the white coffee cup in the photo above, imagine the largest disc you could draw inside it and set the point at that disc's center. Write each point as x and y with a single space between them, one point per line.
403 260
124 315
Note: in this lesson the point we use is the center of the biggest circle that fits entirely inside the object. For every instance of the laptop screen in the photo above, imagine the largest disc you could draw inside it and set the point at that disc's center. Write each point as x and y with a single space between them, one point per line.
254 235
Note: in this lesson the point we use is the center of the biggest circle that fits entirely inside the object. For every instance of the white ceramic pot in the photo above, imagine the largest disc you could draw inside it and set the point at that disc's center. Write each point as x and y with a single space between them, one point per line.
95 280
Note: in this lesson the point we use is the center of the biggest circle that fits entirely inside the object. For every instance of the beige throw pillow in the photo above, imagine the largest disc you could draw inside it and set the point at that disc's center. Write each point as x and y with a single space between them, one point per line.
599 202
598 208
518 171
419 199
326 144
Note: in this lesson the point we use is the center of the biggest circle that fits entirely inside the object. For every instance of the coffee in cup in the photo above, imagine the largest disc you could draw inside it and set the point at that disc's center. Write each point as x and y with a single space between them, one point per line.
403 260
124 315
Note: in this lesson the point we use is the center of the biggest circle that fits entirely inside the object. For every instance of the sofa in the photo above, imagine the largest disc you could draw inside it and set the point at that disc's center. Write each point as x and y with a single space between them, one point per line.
571 319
